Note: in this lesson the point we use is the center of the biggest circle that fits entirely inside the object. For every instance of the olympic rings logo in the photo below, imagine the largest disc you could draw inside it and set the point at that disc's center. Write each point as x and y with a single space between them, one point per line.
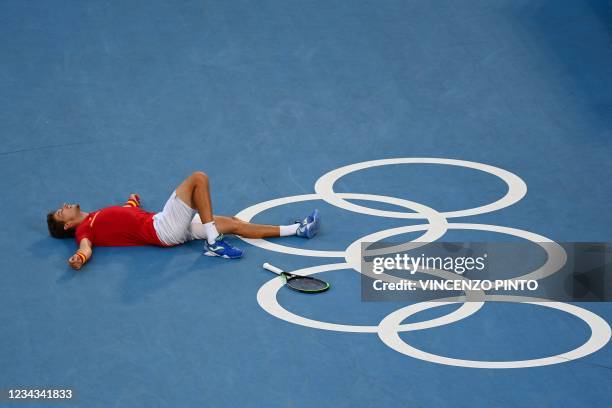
437 225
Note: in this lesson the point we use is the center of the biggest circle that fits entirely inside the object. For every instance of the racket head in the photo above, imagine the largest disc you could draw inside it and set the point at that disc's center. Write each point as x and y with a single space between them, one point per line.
305 284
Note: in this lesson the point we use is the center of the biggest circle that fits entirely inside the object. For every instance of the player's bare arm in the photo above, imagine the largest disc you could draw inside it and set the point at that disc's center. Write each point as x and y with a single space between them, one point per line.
82 255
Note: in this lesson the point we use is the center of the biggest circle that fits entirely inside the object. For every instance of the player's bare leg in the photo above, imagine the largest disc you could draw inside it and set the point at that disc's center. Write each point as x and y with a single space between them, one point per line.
233 225
195 192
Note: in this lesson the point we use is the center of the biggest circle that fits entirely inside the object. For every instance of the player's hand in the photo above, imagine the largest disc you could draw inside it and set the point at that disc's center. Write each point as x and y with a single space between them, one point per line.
135 196
75 262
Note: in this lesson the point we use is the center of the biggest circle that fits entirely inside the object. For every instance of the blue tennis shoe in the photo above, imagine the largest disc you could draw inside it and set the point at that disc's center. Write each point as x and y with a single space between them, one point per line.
222 249
309 226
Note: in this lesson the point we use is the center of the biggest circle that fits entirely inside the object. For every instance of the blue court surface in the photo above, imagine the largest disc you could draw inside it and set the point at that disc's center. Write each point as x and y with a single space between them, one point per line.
100 99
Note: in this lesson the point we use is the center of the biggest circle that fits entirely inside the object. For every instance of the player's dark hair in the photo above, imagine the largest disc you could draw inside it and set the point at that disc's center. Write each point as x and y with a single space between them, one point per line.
56 228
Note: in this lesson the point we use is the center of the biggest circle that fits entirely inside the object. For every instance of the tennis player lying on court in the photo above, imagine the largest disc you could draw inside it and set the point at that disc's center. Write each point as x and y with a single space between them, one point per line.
187 215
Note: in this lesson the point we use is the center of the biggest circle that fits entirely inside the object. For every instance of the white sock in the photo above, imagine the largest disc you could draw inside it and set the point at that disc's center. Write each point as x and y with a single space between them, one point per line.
211 232
286 230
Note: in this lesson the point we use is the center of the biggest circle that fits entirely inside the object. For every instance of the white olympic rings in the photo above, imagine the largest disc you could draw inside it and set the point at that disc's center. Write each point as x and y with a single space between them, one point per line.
324 186
389 328
600 335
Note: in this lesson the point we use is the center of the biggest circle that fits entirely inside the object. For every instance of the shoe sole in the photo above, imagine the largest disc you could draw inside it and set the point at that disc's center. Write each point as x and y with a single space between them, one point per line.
315 226
210 253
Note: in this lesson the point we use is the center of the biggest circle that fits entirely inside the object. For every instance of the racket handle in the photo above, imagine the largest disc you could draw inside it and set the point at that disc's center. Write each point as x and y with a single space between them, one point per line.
272 268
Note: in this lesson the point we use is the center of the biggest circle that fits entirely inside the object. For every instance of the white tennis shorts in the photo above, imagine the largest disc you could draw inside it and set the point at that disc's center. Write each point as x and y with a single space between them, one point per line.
173 223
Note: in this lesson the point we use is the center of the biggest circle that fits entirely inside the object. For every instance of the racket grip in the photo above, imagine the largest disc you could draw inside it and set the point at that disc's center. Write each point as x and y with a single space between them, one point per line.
272 268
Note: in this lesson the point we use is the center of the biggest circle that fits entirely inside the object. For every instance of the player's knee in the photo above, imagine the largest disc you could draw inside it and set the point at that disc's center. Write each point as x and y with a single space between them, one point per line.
200 177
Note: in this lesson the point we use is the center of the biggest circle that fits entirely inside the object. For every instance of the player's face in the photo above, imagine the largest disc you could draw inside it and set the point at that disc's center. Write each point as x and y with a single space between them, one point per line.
68 213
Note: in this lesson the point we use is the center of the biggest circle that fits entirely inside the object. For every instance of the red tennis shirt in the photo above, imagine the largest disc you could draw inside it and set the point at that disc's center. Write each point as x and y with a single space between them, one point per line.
119 226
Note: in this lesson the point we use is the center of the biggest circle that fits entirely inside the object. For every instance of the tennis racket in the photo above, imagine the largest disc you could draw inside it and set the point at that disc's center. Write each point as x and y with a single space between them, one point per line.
305 284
